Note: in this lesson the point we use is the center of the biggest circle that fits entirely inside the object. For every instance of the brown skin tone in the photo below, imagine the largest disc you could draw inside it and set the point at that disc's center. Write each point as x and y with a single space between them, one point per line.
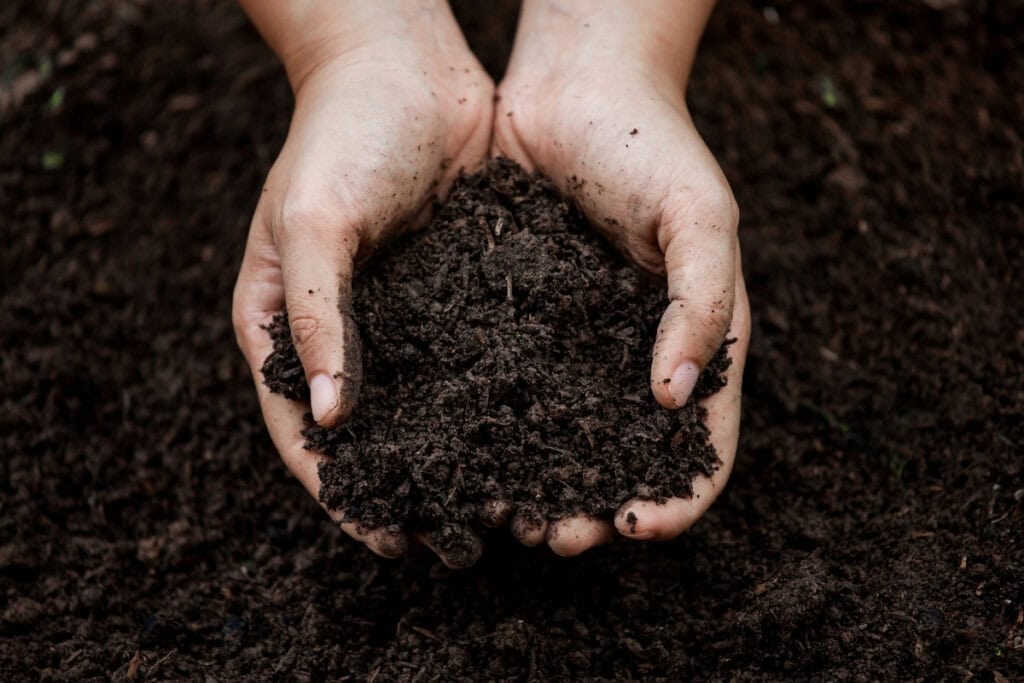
594 97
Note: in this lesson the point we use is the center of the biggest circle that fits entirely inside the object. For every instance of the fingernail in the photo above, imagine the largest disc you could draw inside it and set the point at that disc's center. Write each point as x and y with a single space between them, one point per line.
684 379
631 532
323 396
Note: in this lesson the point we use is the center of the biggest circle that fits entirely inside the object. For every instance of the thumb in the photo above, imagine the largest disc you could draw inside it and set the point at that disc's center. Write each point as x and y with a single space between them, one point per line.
700 263
317 270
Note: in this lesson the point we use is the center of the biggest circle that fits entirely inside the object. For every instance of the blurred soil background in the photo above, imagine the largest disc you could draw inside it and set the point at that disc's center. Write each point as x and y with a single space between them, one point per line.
874 525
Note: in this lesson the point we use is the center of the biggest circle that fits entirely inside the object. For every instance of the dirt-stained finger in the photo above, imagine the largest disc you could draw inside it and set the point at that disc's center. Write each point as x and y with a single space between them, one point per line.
458 547
495 513
573 535
528 531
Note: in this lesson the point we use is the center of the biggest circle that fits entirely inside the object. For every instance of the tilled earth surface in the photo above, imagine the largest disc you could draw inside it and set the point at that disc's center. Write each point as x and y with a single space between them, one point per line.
874 524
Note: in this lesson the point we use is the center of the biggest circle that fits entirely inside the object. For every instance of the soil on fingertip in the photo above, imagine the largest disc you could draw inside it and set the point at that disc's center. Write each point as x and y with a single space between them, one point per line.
506 357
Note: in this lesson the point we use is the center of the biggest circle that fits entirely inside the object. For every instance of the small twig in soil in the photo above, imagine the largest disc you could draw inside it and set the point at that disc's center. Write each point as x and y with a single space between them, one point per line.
427 634
160 661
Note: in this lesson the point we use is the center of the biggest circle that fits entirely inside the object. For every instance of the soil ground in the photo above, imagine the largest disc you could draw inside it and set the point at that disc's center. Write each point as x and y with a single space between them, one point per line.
874 524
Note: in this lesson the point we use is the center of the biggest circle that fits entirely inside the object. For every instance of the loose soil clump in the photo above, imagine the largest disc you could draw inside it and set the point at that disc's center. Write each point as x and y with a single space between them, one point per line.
507 357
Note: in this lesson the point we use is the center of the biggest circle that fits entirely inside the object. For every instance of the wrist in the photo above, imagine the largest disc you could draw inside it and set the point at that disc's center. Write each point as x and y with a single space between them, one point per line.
307 34
653 41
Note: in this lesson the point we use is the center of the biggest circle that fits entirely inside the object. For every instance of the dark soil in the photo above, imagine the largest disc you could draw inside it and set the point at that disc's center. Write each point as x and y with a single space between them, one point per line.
873 528
507 357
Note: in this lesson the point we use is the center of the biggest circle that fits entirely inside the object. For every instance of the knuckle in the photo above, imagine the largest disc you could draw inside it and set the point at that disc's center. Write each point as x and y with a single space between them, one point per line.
713 316
646 256
307 331
711 209
705 320
303 213
717 208
712 321
245 328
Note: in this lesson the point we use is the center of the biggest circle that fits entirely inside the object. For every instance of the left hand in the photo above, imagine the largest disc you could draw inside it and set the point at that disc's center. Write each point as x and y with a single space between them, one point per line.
613 131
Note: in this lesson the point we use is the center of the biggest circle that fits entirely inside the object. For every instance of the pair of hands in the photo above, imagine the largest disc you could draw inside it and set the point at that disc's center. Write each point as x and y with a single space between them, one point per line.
391 106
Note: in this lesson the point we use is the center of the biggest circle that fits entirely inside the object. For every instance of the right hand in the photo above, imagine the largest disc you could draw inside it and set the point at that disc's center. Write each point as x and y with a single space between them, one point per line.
380 129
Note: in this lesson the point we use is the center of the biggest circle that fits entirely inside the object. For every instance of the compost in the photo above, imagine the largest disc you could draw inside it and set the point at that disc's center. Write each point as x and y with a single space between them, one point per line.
873 526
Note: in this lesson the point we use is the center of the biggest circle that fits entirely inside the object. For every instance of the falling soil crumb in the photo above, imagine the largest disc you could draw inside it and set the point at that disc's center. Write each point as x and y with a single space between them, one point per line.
507 357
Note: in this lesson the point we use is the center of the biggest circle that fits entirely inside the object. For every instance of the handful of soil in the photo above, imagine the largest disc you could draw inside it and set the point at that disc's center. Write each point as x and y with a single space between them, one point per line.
506 356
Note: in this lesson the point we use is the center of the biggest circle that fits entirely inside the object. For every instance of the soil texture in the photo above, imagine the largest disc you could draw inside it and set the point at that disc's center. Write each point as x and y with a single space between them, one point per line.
873 526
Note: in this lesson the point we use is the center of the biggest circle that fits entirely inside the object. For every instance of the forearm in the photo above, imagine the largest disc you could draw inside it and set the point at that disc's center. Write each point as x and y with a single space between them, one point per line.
306 33
654 34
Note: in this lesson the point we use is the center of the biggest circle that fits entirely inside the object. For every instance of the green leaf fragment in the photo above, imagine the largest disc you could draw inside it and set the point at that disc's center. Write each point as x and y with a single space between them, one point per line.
52 160
56 99
829 92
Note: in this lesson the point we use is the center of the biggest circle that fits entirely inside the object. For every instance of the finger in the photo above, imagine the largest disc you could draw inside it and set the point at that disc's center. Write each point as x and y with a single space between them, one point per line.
317 265
700 247
571 536
458 547
529 532
645 519
285 421
259 294
389 542
495 513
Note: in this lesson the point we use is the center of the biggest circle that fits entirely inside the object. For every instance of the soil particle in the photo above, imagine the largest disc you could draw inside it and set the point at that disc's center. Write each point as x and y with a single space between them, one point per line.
875 488
507 356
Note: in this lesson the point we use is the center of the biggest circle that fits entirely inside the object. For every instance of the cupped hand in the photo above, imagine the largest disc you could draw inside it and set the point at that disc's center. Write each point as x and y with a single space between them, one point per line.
380 129
615 134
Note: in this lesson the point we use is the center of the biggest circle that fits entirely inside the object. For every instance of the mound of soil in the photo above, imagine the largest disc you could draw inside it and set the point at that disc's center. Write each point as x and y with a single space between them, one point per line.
507 356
